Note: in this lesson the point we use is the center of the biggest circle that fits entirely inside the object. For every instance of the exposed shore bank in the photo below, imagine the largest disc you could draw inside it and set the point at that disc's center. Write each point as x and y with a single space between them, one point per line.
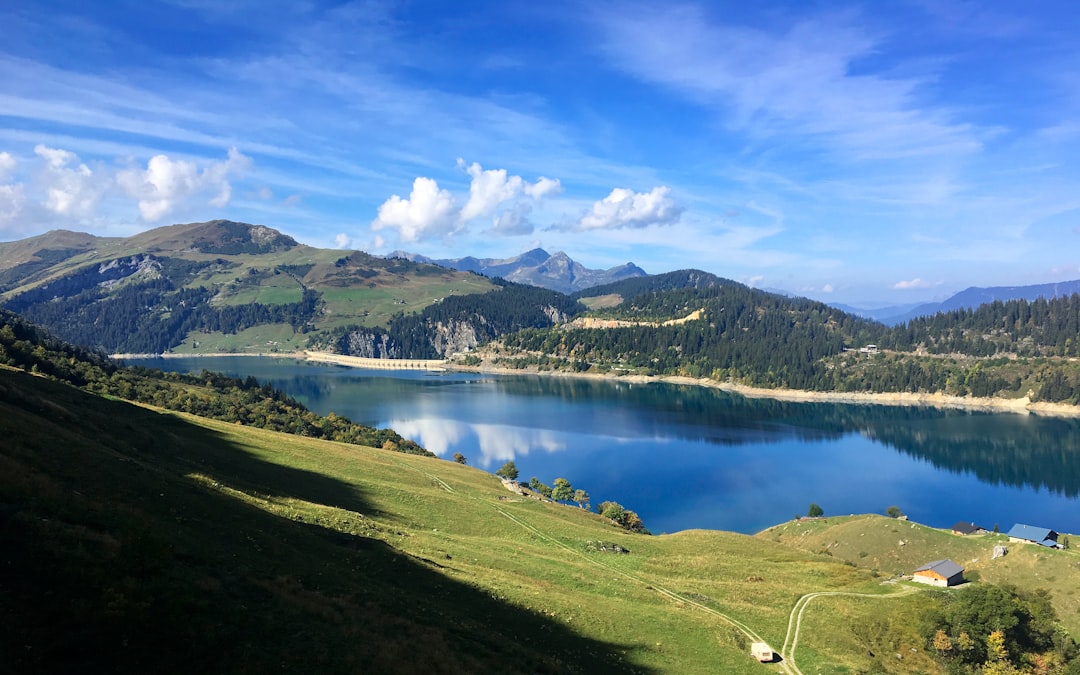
1020 405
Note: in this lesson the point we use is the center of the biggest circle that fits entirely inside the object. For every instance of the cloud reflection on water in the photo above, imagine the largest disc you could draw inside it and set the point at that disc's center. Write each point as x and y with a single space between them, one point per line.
497 443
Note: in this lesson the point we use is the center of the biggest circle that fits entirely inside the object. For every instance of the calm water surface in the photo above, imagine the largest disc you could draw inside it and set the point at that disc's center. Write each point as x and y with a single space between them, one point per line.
688 457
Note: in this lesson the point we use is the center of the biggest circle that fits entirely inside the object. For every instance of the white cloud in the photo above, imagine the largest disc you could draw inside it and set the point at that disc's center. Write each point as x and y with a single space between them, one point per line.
7 165
827 288
12 199
914 283
766 211
168 184
491 188
628 209
71 189
429 210
810 80
432 211
513 221
543 187
343 240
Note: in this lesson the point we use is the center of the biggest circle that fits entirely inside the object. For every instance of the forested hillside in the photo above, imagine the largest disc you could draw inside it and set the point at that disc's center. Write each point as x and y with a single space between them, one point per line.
1012 349
743 334
25 346
670 281
1016 327
231 287
455 324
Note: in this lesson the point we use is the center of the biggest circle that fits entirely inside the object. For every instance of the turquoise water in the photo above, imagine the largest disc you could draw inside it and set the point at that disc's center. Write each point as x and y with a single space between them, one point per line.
689 457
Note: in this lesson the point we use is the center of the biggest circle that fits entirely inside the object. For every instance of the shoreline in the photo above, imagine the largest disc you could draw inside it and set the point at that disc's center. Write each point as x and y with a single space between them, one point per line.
998 405
1022 405
173 355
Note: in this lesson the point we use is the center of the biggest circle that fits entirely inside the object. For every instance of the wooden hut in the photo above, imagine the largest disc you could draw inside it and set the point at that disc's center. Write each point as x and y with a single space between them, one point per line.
939 573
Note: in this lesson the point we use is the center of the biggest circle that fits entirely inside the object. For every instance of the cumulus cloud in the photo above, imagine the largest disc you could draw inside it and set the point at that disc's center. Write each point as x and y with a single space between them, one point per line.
12 199
7 165
71 187
628 209
11 196
492 188
342 240
429 210
513 221
432 211
168 184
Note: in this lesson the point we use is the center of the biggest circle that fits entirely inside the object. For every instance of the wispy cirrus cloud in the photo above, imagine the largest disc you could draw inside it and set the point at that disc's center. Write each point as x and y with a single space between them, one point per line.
800 82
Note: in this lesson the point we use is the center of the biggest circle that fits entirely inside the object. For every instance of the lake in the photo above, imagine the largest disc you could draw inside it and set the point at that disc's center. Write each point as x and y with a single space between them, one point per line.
691 457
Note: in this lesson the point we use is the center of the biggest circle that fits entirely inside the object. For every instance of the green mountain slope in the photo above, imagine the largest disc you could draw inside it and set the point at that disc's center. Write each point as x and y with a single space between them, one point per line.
727 332
134 539
217 286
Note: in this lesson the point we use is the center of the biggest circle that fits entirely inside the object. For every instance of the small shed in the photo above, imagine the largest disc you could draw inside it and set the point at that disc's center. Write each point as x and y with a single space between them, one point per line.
762 652
939 573
964 529
1028 534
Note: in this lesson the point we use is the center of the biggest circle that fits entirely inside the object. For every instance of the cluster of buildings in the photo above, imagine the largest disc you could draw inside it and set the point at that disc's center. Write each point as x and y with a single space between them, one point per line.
948 573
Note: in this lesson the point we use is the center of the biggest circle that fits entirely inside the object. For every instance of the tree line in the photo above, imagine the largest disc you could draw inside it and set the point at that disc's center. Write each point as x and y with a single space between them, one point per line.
765 340
563 491
243 401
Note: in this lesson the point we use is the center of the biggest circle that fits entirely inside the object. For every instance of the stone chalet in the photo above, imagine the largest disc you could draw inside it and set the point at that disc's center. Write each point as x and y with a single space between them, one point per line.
1027 534
939 573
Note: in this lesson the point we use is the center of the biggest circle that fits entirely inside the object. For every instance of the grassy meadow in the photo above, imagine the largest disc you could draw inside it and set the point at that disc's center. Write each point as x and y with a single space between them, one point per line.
137 540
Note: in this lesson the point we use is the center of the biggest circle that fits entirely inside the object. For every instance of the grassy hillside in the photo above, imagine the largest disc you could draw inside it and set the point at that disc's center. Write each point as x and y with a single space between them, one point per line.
891 547
136 539
203 287
145 540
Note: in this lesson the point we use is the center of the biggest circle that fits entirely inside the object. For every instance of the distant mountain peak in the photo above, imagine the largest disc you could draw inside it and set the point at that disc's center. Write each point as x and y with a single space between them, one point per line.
555 271
969 298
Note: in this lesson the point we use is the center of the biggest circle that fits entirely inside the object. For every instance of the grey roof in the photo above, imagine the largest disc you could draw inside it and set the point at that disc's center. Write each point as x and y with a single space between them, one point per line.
966 528
945 568
1030 533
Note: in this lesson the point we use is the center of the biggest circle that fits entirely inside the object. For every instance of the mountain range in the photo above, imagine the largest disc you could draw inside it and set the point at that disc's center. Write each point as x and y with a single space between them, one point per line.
969 298
555 271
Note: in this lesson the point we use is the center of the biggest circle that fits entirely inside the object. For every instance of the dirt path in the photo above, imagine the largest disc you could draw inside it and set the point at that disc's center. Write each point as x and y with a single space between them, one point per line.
791 641
636 578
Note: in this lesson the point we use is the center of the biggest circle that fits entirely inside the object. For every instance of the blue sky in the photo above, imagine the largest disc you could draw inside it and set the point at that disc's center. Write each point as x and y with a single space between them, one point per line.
850 152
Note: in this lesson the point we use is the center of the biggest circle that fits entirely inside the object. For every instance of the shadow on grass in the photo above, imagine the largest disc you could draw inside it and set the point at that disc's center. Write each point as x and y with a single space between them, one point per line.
113 560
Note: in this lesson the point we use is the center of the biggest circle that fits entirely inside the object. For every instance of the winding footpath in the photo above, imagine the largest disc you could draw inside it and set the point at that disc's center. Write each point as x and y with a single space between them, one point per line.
791 641
787 663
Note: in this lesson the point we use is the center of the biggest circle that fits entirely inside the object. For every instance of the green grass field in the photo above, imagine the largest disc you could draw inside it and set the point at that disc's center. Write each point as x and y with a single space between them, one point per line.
874 542
267 338
139 540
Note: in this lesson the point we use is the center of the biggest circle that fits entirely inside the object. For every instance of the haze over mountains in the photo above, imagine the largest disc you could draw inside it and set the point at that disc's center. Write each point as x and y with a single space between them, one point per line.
557 272
969 298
